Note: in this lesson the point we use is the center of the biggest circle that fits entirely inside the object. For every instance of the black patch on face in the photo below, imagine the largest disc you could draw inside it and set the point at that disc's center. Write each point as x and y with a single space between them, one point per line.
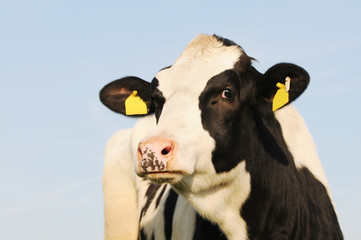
169 208
228 120
242 125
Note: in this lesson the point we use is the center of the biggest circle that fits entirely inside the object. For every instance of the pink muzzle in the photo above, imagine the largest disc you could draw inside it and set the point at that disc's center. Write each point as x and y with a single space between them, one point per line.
155 155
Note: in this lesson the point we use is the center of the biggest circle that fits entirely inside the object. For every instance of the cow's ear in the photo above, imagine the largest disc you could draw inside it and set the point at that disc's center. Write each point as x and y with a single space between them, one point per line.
283 83
130 96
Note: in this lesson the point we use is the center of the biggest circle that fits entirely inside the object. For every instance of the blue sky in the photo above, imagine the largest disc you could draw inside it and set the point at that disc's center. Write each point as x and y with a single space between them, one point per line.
55 56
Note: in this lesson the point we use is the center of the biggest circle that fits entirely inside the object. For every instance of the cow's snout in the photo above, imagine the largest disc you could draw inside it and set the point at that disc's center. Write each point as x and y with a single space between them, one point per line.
155 155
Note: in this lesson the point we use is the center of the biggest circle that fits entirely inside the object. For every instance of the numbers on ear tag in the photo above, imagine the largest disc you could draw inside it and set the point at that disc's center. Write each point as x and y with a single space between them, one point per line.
288 83
281 98
134 105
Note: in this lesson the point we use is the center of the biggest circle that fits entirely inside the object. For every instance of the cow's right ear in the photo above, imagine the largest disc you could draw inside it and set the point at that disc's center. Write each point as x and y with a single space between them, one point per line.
288 79
130 96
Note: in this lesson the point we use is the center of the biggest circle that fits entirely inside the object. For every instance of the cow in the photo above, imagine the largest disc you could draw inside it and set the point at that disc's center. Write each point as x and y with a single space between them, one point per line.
218 153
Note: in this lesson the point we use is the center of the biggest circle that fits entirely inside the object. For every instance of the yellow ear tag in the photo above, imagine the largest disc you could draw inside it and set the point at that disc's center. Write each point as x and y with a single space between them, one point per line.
134 105
281 97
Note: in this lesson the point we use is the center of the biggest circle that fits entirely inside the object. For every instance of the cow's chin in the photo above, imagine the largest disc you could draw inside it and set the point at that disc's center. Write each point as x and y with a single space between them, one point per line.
171 177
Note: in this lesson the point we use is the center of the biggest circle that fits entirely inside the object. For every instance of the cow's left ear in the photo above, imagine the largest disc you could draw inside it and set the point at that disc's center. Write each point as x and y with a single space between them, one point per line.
130 96
283 83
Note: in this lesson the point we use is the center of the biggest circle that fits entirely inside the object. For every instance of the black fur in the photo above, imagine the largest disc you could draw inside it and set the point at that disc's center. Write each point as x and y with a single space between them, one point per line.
149 195
225 41
285 202
160 195
169 213
217 118
158 99
207 230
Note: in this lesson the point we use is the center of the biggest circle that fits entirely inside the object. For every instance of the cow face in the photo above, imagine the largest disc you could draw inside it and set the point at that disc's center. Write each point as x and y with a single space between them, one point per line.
207 105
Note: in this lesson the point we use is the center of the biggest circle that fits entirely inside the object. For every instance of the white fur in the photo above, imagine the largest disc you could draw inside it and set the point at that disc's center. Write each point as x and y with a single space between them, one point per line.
184 220
120 194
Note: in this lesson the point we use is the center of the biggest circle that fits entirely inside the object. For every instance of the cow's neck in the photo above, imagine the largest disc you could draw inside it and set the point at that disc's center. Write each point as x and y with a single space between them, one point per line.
222 201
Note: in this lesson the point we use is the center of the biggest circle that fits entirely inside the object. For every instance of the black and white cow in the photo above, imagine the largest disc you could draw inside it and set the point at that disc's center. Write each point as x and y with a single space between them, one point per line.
226 166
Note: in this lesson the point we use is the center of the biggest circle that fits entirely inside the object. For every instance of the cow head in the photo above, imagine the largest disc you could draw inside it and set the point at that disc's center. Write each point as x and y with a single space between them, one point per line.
208 106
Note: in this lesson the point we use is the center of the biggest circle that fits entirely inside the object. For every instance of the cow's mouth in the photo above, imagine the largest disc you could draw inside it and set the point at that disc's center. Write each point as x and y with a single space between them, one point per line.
163 176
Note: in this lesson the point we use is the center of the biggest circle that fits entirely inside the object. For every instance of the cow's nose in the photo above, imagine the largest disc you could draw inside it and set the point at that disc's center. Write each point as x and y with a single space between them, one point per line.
155 154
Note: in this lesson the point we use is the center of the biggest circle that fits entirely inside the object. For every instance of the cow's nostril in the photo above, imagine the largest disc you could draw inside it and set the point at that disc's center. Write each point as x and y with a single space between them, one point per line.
166 150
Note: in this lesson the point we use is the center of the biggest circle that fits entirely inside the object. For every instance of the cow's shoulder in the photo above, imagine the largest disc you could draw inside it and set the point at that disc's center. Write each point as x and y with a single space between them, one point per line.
115 145
300 143
120 199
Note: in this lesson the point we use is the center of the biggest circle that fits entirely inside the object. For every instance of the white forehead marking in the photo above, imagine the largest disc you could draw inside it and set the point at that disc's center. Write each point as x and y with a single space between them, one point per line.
204 57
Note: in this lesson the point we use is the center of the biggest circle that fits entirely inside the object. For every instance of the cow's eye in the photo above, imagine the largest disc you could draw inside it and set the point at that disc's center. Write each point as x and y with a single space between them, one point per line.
227 93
